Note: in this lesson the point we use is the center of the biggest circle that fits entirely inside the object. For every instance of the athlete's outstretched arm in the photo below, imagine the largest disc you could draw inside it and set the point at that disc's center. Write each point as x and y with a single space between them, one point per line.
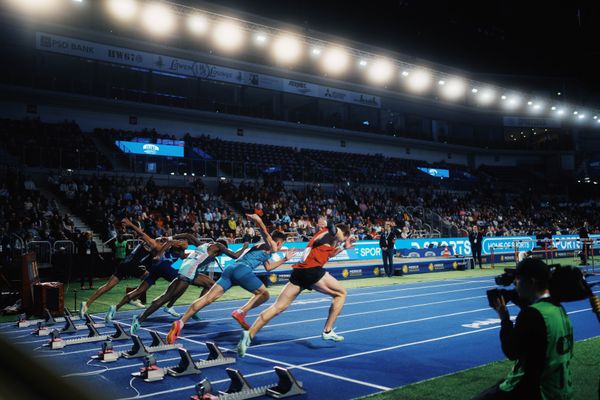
153 243
271 265
263 230
230 253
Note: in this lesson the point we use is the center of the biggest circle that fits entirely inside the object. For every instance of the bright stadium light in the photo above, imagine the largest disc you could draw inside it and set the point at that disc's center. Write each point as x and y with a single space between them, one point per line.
419 80
197 24
36 6
123 10
260 39
511 102
158 19
336 61
381 71
453 89
316 51
474 90
228 36
486 96
363 63
405 73
441 82
287 49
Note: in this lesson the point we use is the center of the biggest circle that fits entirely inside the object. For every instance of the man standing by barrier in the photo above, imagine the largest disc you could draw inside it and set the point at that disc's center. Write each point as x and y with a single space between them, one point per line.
387 240
476 239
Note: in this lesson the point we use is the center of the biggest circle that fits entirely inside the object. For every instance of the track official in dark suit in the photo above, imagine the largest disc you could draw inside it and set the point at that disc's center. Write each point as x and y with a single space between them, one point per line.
386 242
476 238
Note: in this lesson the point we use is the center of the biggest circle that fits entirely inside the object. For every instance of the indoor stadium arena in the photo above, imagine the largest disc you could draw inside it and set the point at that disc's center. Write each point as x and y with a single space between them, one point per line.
231 199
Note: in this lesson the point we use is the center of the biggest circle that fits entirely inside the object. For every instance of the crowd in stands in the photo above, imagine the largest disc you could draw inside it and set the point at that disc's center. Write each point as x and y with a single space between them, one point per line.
59 145
368 190
26 213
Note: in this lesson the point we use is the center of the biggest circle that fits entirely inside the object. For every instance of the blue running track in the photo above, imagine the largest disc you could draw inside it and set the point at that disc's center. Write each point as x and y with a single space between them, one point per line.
394 335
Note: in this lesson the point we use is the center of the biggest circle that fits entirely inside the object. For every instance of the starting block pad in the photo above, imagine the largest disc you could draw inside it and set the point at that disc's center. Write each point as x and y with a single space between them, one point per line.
240 389
48 320
93 336
186 366
138 349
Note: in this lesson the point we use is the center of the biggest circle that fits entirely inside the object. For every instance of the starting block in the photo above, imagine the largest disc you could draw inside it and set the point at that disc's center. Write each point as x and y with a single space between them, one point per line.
93 336
187 366
240 389
107 354
49 320
139 349
70 326
157 345
150 372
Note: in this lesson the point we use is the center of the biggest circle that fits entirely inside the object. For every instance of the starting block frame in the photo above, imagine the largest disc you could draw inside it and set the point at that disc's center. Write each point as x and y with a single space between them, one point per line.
187 366
139 349
48 320
240 389
93 336
70 327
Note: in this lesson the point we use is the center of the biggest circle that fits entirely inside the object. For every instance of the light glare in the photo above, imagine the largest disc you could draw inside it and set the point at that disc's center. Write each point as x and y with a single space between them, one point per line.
158 19
228 36
287 49
335 61
123 10
381 71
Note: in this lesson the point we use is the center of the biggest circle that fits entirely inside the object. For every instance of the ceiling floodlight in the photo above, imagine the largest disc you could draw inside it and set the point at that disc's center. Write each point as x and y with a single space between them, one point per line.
486 96
381 71
158 19
336 61
419 80
123 10
287 49
454 89
197 24
228 36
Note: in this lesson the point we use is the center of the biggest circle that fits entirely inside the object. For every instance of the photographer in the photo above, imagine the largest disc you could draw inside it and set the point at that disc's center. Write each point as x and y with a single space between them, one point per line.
540 342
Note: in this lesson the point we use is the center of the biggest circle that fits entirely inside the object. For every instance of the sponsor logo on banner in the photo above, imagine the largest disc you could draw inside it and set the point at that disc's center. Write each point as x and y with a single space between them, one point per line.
345 273
429 254
507 244
150 148
334 94
414 254
299 87
412 268
117 54
273 278
126 56
376 271
355 272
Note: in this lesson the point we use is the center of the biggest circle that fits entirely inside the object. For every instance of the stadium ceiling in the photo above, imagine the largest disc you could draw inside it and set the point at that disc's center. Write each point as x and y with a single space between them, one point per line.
228 36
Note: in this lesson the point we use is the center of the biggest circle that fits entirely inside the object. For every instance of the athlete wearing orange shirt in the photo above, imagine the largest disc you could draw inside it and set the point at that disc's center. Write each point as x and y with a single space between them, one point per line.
309 274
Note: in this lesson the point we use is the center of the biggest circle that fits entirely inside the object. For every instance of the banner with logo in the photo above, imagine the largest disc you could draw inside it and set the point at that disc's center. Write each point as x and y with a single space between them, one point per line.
150 149
434 247
157 62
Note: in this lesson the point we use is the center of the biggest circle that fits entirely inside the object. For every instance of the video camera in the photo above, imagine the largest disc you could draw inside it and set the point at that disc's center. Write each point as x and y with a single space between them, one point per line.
567 283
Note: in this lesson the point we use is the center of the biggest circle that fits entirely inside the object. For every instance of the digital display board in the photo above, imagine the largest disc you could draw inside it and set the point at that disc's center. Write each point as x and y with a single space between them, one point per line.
150 149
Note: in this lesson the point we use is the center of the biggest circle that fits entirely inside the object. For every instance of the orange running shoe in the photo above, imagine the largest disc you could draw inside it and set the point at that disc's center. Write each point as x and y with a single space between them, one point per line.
240 317
174 332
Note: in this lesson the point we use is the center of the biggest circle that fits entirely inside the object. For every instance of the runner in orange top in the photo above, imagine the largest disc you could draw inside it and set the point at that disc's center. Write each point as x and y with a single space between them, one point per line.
309 274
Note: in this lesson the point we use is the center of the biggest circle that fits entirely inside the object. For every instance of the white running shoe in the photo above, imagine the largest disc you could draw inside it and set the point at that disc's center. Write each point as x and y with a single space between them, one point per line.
83 309
332 336
171 311
136 303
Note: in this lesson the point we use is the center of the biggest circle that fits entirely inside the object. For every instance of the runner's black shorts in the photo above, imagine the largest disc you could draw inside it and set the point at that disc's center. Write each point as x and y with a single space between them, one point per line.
306 277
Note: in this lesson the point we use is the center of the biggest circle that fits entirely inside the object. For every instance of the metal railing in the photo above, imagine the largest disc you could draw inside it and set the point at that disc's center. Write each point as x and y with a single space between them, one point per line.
42 250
